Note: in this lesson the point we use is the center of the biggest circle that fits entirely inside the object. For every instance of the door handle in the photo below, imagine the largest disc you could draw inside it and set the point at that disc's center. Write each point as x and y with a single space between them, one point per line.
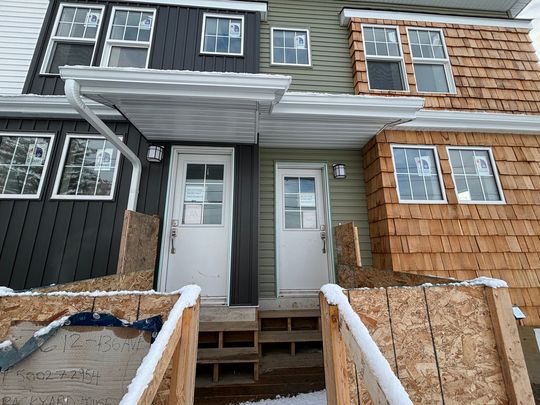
323 237
174 234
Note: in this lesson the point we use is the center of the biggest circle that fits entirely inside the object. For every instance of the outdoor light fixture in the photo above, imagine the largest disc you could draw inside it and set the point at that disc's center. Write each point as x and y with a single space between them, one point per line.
339 171
154 154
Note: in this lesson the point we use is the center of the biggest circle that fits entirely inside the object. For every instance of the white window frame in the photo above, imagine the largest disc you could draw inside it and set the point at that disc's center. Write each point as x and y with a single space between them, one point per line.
502 201
56 196
36 196
53 38
308 36
110 43
439 174
433 61
379 58
228 16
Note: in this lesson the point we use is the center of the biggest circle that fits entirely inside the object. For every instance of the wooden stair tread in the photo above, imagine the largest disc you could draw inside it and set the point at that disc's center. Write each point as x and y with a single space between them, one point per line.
299 313
228 355
234 326
283 336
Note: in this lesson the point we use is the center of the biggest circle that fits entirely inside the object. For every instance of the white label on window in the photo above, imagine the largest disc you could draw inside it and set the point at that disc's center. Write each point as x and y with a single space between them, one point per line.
235 29
309 219
307 199
423 165
36 154
300 41
482 166
146 23
104 159
464 196
194 193
392 36
192 214
92 20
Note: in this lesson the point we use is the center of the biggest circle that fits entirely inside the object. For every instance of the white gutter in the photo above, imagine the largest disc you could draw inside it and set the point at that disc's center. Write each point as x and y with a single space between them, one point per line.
73 94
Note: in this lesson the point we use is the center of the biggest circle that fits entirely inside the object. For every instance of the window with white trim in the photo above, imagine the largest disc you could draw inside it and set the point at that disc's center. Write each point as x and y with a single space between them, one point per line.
88 169
475 175
24 159
384 58
73 39
129 38
431 64
290 47
222 34
418 175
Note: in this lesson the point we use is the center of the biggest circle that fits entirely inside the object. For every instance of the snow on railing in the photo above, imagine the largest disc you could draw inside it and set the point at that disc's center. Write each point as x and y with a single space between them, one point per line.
344 334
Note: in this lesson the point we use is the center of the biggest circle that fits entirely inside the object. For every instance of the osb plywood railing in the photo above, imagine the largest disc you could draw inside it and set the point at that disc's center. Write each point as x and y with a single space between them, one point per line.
446 344
494 68
171 376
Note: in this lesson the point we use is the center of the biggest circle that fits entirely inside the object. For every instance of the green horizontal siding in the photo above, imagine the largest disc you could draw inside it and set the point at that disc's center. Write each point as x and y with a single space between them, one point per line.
347 203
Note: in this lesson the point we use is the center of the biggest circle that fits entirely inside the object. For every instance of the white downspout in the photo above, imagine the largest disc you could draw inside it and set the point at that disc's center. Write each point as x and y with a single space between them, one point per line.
73 94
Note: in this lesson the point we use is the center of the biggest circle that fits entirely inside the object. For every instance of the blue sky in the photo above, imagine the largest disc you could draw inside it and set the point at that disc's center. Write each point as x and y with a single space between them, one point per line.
533 11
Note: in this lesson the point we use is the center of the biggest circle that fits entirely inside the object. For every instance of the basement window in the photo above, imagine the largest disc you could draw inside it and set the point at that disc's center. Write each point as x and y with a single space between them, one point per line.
384 58
431 64
418 174
290 47
222 35
24 159
129 38
73 38
88 169
475 175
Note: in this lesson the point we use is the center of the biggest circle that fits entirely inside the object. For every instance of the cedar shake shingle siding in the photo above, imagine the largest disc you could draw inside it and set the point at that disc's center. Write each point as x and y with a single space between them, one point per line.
495 69
461 240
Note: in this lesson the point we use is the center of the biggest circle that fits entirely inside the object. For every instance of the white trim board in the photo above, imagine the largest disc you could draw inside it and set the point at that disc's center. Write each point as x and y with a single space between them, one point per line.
256 6
468 121
349 13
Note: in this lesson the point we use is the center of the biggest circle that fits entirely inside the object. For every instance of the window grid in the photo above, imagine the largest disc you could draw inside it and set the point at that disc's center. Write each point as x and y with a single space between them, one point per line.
427 47
385 46
56 38
204 201
115 41
28 165
409 177
276 46
215 36
465 176
300 208
388 57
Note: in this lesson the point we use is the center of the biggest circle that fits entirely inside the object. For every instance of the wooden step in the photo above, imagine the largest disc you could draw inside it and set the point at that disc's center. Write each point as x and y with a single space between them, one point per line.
228 355
299 313
285 336
236 326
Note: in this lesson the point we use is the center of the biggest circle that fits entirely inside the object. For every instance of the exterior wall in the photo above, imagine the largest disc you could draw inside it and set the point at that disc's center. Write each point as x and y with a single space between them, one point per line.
176 44
461 240
58 241
347 203
495 69
19 32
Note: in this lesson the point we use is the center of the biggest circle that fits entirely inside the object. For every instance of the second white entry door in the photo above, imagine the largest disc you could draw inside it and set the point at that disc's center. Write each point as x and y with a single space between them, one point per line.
302 232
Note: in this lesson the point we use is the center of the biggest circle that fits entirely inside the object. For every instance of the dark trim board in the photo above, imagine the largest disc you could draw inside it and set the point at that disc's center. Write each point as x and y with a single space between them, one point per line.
176 43
46 241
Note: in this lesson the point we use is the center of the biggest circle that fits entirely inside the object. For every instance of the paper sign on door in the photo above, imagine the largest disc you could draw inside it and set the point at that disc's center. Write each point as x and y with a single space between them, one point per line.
309 219
307 199
194 193
192 214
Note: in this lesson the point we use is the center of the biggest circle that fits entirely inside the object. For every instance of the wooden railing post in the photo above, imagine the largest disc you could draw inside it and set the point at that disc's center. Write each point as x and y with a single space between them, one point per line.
335 356
184 364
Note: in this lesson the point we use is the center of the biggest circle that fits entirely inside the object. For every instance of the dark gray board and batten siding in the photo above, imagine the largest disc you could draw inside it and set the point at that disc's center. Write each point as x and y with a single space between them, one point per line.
175 46
46 241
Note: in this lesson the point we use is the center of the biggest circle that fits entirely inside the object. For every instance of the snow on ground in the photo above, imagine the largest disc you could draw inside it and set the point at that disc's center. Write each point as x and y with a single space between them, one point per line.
314 398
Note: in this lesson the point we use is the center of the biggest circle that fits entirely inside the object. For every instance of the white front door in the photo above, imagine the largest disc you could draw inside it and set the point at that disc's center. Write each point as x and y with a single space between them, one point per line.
197 237
302 234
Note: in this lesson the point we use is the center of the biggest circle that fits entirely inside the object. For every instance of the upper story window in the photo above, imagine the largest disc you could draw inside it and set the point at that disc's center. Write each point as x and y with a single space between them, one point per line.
430 60
88 169
222 35
290 47
23 164
384 58
129 37
418 174
475 175
73 39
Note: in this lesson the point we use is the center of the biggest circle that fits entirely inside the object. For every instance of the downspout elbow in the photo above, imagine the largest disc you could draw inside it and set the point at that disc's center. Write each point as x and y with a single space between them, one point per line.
73 94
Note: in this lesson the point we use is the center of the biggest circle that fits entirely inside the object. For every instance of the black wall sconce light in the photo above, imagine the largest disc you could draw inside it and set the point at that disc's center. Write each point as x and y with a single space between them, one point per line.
154 154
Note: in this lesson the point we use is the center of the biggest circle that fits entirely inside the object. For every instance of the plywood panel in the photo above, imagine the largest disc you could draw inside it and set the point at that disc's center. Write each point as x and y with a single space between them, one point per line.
122 306
465 346
415 356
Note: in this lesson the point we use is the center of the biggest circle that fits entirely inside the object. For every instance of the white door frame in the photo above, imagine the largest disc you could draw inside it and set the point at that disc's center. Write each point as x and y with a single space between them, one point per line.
176 151
328 217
